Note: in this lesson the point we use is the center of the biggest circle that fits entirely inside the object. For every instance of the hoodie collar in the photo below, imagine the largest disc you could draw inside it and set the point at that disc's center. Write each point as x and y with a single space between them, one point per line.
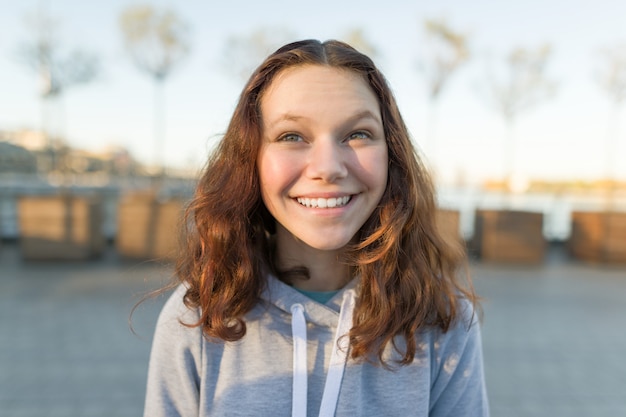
284 297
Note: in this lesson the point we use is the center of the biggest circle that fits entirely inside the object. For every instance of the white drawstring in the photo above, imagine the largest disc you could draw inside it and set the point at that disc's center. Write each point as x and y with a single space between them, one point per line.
298 330
337 364
338 358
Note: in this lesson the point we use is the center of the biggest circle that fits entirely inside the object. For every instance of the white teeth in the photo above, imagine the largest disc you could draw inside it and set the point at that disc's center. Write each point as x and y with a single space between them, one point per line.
324 202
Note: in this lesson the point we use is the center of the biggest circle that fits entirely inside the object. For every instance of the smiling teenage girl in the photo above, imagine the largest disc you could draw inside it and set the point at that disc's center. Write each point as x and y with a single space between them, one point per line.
315 280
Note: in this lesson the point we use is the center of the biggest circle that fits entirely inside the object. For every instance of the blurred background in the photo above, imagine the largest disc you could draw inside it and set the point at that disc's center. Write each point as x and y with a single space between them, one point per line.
108 111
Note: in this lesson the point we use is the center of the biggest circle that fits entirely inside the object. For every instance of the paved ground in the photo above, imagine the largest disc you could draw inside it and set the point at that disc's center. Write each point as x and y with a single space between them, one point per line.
554 337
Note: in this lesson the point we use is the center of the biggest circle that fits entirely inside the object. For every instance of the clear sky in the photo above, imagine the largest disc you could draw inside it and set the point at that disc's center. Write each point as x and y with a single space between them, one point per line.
561 138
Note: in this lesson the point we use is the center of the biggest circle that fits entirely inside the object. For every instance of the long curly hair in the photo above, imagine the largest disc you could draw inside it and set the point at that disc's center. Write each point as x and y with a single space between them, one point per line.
410 277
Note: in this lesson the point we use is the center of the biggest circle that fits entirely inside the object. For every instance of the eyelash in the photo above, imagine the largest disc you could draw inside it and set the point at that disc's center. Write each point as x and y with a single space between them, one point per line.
364 135
294 137
289 137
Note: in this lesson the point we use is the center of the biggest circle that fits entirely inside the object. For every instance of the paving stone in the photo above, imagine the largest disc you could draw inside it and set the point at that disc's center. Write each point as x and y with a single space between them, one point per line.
554 337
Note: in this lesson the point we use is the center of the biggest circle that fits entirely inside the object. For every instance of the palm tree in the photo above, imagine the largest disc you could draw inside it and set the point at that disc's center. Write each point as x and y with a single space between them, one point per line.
57 71
359 41
242 53
157 41
523 86
445 51
612 79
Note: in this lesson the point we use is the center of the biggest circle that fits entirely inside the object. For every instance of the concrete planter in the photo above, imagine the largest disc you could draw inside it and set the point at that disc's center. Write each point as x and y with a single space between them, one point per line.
598 237
509 236
60 227
448 222
148 228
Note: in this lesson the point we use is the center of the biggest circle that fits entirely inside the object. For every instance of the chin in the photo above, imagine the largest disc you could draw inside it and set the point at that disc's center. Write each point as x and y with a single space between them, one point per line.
328 244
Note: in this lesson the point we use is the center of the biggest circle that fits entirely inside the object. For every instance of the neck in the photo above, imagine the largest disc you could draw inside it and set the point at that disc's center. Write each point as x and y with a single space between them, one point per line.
325 271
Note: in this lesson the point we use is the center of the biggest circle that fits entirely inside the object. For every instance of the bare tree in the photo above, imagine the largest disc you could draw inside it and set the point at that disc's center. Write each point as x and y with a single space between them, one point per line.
157 41
242 53
612 79
445 50
58 69
523 86
359 41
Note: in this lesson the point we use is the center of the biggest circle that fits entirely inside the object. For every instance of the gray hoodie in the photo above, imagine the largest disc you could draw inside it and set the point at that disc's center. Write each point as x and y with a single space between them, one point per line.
291 363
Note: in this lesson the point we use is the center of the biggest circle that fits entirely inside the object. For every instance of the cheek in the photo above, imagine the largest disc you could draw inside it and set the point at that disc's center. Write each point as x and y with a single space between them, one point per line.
274 174
374 169
265 182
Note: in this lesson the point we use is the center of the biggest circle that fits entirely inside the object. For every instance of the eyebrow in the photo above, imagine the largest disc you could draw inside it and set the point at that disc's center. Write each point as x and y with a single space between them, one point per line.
364 114
287 117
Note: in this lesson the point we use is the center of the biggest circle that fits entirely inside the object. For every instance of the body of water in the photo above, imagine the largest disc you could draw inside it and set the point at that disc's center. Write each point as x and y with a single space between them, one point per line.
556 208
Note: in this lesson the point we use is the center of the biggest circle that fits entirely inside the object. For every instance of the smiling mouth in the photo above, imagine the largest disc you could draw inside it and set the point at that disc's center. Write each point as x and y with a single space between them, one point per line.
324 202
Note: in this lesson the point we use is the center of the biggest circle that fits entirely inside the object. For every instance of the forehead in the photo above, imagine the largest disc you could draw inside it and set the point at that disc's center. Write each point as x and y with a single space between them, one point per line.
306 87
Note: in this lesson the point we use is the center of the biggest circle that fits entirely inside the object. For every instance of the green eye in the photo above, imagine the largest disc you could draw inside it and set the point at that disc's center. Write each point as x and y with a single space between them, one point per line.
359 135
290 137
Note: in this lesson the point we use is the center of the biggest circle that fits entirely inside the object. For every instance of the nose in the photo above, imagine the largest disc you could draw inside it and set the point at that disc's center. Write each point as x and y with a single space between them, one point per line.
327 161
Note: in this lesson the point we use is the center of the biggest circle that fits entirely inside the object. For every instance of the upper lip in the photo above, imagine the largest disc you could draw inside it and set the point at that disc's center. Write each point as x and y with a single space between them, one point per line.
324 195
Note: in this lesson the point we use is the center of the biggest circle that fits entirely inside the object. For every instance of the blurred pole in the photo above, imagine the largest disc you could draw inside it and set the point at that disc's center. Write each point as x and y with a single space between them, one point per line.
159 128
445 51
431 143
156 42
45 80
56 71
510 150
613 81
610 145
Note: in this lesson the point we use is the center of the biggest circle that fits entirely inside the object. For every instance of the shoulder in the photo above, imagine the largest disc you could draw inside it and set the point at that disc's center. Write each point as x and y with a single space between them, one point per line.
177 342
458 384
462 338
465 328
175 308
460 347
175 317
176 360
468 313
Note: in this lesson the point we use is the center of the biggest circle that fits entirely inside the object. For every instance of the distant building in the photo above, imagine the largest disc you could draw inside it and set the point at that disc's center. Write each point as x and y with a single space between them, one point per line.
27 150
16 159
33 140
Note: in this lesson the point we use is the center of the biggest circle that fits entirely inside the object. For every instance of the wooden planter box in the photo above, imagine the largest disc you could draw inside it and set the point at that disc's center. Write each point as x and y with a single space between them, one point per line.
60 227
598 237
148 228
509 236
448 223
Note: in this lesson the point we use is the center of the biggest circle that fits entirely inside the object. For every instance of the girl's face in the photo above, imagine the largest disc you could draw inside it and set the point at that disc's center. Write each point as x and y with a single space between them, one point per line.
323 159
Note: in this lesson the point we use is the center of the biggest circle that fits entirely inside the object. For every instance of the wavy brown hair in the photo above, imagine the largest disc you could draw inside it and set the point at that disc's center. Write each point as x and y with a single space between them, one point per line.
410 278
